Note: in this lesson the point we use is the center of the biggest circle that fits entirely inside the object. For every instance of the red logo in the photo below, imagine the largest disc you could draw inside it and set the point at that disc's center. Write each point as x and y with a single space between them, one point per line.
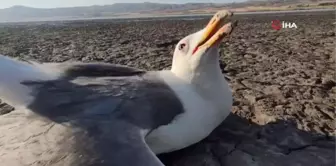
276 25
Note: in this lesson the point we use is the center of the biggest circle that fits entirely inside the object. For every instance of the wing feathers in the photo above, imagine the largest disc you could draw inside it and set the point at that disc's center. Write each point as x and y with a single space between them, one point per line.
13 72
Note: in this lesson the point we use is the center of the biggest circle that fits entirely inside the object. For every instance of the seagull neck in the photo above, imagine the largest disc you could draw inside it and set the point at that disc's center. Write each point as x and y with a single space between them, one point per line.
209 83
208 79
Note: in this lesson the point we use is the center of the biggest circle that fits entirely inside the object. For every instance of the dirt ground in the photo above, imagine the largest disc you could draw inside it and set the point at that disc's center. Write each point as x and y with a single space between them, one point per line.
283 81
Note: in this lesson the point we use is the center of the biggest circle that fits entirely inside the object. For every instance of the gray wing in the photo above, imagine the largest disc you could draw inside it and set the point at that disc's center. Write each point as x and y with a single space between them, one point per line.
106 112
13 72
111 114
99 70
64 91
119 144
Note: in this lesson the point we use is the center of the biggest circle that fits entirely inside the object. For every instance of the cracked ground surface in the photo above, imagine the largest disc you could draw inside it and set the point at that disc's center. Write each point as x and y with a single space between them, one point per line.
283 81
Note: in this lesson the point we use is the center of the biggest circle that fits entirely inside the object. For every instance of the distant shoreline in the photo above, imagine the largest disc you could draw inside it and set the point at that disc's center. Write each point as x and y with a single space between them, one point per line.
152 16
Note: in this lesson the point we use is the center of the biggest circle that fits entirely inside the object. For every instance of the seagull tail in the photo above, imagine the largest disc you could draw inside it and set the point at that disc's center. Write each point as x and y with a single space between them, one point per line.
13 72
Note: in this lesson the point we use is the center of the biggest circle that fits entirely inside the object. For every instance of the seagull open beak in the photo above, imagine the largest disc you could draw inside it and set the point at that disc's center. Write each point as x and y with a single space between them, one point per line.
213 33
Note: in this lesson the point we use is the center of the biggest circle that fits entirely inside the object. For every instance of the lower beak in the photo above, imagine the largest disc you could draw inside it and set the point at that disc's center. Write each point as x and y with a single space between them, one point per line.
213 32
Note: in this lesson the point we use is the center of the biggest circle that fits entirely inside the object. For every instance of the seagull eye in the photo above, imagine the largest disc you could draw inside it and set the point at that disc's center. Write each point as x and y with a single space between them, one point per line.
182 46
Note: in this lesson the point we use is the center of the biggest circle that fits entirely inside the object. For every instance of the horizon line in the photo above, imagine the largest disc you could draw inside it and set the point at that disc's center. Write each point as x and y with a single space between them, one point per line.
121 3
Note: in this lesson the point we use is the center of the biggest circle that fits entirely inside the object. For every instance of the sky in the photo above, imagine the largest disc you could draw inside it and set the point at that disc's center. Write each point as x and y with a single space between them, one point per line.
71 3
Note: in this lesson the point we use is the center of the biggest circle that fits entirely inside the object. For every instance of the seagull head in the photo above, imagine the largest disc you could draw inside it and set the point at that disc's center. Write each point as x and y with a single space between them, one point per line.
198 54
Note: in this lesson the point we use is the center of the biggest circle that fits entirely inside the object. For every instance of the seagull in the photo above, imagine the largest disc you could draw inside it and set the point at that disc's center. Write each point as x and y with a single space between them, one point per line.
100 114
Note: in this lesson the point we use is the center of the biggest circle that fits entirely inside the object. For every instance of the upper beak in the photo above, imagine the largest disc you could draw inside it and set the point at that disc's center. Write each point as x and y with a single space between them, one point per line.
213 33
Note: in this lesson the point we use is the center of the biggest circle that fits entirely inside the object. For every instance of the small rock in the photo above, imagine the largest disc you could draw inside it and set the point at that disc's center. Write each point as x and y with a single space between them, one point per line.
5 108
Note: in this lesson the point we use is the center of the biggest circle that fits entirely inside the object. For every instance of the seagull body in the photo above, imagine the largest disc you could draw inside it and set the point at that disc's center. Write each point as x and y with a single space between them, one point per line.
97 114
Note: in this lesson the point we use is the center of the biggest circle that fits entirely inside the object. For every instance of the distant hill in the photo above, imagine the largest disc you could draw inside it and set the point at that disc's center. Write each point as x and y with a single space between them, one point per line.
23 13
